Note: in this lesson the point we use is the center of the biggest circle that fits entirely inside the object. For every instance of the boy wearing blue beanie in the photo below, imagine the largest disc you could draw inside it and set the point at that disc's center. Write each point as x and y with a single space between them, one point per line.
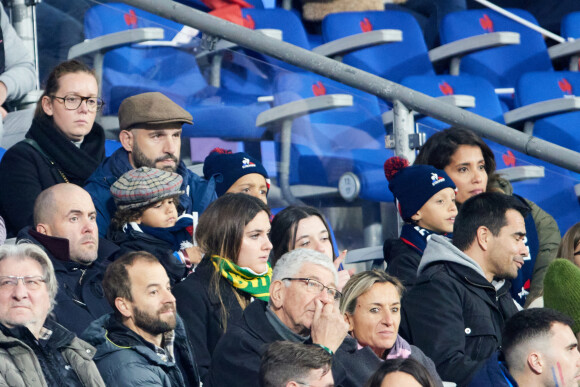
426 202
236 173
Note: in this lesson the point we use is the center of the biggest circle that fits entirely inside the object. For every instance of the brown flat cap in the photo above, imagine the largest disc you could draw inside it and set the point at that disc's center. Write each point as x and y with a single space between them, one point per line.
151 109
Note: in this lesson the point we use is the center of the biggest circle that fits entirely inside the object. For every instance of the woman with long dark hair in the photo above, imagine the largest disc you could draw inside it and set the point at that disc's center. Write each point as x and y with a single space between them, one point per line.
233 236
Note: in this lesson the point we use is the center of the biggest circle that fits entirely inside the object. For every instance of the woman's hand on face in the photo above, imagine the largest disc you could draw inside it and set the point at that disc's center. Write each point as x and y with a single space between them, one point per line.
343 275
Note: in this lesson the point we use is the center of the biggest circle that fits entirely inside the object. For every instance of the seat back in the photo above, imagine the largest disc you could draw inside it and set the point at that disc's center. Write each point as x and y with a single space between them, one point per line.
561 129
321 141
486 101
570 26
140 68
393 61
502 66
247 72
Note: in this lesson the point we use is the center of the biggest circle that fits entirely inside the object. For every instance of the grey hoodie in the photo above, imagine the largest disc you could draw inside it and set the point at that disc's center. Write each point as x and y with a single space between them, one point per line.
440 249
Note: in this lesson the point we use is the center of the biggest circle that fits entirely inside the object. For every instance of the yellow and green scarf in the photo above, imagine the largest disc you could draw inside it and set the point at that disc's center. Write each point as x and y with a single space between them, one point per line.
258 286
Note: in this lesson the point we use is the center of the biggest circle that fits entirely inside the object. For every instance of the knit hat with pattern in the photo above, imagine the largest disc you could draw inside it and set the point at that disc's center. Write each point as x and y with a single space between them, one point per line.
143 186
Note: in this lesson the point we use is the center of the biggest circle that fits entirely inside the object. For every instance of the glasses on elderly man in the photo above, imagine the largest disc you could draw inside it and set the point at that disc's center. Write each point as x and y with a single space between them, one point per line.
73 101
314 286
32 282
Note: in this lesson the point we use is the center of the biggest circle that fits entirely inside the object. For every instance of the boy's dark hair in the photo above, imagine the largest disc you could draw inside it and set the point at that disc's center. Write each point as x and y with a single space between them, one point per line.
487 209
124 216
286 361
116 281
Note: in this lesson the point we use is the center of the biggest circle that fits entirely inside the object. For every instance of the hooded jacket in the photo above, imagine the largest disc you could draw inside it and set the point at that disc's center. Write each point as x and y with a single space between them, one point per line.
199 193
80 298
125 360
453 313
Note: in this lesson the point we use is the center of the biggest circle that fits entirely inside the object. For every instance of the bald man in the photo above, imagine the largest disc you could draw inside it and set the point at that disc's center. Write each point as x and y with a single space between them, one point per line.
66 228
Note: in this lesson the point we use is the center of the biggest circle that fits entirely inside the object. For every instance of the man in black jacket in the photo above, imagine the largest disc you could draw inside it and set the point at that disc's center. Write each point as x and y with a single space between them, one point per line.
303 308
66 228
456 311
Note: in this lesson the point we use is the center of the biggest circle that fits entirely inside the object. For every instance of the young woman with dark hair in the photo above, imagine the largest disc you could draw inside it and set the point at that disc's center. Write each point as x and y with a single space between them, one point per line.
63 144
304 227
233 236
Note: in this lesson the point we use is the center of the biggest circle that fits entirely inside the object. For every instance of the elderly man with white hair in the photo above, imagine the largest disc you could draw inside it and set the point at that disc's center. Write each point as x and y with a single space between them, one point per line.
36 351
303 308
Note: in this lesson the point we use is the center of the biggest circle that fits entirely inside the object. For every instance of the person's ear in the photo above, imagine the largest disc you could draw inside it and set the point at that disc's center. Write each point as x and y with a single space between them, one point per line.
124 307
483 236
42 228
348 318
417 216
46 103
126 138
535 362
277 294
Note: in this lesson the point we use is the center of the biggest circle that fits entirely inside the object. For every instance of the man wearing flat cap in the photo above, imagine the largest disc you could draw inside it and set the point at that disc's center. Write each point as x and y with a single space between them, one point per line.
150 136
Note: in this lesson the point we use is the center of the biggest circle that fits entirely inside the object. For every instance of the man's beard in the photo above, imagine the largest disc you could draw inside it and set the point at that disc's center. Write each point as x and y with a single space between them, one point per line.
140 160
152 323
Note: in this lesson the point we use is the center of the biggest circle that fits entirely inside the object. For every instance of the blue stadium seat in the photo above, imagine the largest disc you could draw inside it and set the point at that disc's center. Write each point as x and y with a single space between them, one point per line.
326 143
502 66
570 26
171 69
392 61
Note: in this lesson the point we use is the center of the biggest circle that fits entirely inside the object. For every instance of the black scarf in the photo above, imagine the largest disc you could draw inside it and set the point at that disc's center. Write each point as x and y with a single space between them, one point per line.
76 163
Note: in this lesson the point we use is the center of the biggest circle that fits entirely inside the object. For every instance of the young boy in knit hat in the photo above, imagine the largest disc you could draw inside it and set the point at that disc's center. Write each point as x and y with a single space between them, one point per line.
236 173
426 198
147 219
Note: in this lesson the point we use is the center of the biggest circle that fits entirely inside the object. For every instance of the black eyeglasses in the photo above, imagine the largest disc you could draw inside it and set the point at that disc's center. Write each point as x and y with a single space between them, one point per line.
314 286
73 102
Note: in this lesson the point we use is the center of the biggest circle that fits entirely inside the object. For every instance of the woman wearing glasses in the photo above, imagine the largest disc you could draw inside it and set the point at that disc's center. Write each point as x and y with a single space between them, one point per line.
233 235
63 144
371 305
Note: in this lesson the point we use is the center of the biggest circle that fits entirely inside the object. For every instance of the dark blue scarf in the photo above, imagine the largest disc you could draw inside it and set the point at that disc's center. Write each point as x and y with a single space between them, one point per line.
416 237
180 232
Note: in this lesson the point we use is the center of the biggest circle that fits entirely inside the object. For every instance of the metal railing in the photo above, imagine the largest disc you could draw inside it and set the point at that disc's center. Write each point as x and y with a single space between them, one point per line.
381 87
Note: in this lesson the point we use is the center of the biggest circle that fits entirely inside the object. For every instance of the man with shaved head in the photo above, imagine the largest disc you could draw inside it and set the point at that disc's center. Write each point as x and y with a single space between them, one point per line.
65 227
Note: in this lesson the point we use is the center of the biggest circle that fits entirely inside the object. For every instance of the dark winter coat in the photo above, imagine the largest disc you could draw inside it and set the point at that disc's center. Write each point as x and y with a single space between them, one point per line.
493 373
25 172
402 261
134 240
198 192
453 313
236 360
80 298
200 309
124 359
